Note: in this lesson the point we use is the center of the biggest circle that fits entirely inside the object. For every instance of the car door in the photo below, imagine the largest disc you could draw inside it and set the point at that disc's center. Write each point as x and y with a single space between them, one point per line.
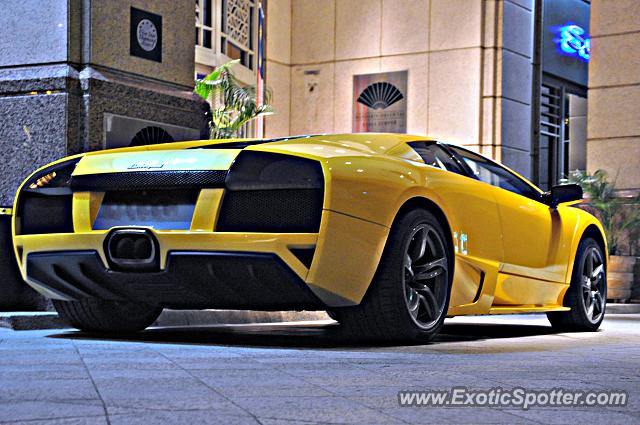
530 229
475 230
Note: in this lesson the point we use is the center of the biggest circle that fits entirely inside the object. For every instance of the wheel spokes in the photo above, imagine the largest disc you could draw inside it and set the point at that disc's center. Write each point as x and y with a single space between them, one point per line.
425 275
431 301
593 273
596 275
590 311
419 245
430 270
589 264
599 302
414 302
586 284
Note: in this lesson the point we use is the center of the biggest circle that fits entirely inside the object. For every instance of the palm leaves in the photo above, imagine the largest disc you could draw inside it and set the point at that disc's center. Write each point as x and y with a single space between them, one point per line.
620 217
234 105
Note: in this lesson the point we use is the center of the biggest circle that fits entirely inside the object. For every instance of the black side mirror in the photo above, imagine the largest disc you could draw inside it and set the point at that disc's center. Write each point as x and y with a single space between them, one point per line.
561 194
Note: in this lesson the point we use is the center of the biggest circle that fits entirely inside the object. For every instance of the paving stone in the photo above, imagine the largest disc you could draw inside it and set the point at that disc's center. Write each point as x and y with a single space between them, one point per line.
49 410
305 375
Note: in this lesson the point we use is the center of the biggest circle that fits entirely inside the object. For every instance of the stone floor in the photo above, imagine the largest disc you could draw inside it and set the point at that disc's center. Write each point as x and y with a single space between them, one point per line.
308 373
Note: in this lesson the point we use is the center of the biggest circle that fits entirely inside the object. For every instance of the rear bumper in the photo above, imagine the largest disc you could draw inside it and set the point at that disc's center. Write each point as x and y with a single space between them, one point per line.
259 281
347 251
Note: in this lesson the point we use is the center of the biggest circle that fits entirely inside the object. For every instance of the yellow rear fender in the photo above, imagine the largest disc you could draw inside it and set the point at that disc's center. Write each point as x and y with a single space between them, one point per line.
586 225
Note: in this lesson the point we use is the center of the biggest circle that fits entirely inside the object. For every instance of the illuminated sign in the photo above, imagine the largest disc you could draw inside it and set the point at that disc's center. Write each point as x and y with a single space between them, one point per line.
574 41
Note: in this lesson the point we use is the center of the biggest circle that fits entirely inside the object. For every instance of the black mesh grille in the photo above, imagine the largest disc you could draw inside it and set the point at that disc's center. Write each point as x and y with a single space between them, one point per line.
149 180
271 211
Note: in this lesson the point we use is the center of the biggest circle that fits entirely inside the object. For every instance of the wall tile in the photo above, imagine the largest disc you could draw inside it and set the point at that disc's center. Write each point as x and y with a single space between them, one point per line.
492 72
455 24
516 125
517 29
405 26
612 17
454 95
279 79
527 4
615 60
313 31
516 77
614 112
517 160
279 30
33 32
613 156
492 11
491 121
357 28
312 91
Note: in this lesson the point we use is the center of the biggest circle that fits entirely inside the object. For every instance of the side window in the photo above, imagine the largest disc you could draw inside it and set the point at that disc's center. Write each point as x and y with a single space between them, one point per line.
434 155
495 175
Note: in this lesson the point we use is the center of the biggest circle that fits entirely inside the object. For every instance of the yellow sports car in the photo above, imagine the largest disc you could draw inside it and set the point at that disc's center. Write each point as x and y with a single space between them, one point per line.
388 233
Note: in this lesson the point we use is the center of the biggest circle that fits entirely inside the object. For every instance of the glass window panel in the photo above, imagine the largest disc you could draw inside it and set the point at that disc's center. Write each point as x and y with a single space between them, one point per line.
492 173
208 15
434 155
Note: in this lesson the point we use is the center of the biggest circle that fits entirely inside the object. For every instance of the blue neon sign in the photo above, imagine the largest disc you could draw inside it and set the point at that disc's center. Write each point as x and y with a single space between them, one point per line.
574 41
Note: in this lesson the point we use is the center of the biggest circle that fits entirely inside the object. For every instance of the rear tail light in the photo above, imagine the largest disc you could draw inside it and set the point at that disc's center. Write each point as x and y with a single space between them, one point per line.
45 201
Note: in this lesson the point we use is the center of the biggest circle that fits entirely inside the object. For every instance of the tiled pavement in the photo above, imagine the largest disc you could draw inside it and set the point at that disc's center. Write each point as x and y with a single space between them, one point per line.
285 374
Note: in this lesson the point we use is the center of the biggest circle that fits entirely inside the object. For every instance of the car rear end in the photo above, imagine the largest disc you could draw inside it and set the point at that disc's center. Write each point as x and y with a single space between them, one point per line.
192 228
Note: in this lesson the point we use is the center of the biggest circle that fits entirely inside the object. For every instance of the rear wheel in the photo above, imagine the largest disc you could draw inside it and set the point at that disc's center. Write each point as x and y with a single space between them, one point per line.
409 295
107 316
587 294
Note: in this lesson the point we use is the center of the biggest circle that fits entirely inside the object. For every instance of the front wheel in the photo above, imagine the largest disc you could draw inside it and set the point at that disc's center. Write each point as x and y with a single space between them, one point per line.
107 316
587 294
409 296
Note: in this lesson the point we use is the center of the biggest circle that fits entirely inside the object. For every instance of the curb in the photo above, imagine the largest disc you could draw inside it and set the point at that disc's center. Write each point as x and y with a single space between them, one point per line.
32 320
234 317
616 308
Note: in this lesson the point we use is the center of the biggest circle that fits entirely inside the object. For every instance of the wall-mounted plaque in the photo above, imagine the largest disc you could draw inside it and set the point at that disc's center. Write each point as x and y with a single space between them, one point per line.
146 35
380 102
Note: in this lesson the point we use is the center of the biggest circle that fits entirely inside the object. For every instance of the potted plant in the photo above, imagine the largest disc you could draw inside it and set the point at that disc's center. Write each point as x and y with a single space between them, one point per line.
233 104
620 218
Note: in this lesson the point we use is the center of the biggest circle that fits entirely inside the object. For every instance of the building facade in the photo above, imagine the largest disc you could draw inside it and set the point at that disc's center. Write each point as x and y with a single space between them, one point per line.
489 74
79 75
513 79
614 92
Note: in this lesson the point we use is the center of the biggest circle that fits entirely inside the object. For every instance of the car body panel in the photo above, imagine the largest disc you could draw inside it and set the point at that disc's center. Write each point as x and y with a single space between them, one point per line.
512 254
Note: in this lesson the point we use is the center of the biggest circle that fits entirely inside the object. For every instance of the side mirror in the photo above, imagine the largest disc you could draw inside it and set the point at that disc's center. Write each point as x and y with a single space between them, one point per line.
562 194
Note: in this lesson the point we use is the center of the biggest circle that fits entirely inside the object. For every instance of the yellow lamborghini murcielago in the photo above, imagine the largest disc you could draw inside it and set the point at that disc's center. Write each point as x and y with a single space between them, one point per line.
388 233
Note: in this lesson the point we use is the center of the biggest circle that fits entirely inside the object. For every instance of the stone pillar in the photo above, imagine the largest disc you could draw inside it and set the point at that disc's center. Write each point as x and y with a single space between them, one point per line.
515 98
78 75
613 142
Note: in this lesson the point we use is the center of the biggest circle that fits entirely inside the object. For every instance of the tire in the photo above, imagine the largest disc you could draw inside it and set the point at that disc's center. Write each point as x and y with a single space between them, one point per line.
385 311
101 316
581 294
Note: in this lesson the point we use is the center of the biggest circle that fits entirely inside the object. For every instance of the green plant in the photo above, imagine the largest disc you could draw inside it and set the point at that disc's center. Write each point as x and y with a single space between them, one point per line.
233 105
620 217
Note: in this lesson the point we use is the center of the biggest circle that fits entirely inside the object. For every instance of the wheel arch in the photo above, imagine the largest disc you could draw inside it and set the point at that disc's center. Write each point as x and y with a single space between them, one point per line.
429 205
592 231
